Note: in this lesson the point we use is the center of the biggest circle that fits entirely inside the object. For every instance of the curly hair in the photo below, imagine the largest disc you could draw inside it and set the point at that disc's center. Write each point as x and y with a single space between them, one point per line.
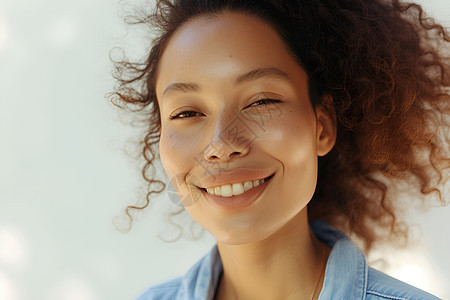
385 65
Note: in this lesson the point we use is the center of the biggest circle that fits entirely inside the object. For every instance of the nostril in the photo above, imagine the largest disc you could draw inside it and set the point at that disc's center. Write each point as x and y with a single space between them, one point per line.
235 153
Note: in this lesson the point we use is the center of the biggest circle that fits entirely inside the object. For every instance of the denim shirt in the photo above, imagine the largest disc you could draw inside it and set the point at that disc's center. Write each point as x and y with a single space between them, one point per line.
347 276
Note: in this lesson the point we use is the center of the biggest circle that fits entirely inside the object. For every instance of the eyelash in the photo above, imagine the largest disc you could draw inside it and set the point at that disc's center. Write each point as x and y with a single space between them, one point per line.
262 102
177 116
266 101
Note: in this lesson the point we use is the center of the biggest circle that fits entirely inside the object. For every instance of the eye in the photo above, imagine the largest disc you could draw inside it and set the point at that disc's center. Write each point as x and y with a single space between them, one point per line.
185 114
261 102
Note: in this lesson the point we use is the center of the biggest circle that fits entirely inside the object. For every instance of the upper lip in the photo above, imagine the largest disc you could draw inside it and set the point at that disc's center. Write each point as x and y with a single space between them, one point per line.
219 178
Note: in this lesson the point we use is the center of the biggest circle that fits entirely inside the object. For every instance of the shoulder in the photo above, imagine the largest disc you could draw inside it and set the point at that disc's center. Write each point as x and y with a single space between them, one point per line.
162 291
348 275
382 286
198 282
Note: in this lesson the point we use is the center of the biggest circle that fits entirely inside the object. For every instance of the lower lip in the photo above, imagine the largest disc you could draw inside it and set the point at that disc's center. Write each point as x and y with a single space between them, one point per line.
237 202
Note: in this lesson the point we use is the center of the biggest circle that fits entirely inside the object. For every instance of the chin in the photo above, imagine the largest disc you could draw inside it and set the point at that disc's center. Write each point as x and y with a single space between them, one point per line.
241 235
241 239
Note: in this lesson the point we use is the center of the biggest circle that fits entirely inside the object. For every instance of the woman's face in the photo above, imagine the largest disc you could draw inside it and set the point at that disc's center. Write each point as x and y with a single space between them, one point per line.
235 109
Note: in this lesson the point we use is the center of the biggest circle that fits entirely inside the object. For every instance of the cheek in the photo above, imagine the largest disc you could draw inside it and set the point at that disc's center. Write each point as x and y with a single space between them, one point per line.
289 138
177 151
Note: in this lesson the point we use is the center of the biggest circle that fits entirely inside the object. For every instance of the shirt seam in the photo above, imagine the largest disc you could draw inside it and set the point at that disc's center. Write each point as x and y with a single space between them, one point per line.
386 296
180 295
366 277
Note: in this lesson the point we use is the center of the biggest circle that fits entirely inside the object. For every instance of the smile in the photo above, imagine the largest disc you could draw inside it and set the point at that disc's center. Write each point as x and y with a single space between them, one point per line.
235 189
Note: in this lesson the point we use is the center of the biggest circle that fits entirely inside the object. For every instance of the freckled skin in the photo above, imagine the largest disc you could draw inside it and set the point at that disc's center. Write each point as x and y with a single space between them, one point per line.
285 138
286 141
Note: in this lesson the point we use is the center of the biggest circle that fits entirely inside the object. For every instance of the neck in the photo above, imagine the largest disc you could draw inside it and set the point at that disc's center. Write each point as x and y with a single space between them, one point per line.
286 265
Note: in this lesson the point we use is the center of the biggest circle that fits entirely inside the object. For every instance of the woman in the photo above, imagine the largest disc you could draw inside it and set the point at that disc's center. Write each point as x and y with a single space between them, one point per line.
274 117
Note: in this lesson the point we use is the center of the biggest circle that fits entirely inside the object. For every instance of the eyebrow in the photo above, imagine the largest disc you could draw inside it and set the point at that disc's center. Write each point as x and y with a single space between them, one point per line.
260 73
185 87
181 87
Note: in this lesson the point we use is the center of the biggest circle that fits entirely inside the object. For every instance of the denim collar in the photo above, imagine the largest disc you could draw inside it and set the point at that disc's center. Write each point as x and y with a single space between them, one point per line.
345 276
347 270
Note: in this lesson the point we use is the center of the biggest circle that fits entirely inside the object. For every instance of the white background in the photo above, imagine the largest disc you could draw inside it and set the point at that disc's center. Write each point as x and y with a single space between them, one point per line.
64 176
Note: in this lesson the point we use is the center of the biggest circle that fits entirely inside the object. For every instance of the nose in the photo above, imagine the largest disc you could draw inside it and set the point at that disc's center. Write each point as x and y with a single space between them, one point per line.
231 139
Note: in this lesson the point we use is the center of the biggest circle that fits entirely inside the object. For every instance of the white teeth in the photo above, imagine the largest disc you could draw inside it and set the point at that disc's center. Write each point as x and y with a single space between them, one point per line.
218 190
227 191
234 189
238 188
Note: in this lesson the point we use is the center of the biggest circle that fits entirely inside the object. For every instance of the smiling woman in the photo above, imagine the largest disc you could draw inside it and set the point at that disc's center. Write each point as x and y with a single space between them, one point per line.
283 119
231 79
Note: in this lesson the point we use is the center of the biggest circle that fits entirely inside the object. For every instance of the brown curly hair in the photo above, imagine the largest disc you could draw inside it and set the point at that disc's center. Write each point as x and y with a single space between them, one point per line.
385 65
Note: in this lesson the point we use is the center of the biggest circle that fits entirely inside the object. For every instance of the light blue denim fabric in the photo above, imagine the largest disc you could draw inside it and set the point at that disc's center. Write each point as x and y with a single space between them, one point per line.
347 276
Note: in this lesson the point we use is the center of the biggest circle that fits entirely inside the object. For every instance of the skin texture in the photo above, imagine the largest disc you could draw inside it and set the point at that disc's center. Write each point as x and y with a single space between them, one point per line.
267 249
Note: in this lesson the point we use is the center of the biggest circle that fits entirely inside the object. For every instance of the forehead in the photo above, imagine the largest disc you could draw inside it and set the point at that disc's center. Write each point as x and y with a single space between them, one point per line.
222 45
